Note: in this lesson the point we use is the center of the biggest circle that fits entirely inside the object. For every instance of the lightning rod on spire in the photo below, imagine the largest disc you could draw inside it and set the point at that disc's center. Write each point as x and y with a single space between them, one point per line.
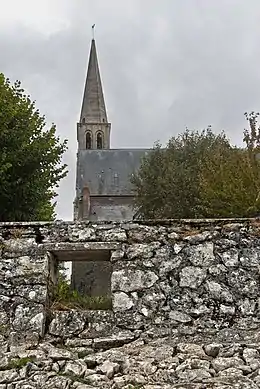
93 31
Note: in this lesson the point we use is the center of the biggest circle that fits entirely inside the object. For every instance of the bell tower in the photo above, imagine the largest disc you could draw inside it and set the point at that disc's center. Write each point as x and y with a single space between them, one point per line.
93 129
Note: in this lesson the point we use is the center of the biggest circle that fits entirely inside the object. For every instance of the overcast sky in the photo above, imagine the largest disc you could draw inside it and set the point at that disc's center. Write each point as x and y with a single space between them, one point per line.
165 65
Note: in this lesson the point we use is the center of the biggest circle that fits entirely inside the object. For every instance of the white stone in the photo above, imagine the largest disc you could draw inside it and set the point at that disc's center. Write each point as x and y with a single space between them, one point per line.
250 258
247 307
218 292
177 248
86 234
57 354
32 295
109 368
230 372
83 386
76 368
191 348
122 302
96 379
3 318
222 363
139 250
201 254
193 362
173 235
129 280
168 265
145 312
67 323
250 354
212 349
113 235
117 255
197 375
192 277
8 376
37 322
180 316
81 233
200 237
19 245
227 309
230 258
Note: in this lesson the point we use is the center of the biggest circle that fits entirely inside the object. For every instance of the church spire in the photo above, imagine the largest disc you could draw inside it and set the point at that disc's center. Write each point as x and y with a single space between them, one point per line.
93 106
93 129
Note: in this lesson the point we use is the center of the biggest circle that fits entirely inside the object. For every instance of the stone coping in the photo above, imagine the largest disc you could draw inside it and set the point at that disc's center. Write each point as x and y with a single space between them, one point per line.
203 222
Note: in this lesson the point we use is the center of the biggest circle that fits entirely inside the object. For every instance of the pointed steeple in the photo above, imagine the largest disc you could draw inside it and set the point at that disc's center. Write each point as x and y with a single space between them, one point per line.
93 129
93 106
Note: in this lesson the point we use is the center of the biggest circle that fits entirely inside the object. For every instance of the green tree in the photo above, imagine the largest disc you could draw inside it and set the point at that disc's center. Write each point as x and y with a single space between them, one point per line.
167 184
230 181
228 185
201 175
30 158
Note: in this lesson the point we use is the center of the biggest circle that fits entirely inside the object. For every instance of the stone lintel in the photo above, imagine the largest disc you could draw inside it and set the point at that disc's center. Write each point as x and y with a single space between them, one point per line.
77 251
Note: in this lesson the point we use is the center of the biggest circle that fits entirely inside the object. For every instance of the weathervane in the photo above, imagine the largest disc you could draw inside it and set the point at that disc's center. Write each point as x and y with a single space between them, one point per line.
93 33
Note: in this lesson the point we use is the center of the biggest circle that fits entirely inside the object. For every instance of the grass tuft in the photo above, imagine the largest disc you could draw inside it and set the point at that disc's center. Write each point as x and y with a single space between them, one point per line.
19 362
65 299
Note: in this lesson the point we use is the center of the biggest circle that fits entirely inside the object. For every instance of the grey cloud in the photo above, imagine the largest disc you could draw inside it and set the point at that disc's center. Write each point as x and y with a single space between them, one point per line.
164 65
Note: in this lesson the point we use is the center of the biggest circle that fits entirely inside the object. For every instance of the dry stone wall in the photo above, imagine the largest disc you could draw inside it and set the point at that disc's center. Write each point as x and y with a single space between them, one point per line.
185 306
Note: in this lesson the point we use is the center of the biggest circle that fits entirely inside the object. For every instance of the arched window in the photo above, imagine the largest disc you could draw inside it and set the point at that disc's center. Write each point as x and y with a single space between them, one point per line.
88 140
99 140
83 120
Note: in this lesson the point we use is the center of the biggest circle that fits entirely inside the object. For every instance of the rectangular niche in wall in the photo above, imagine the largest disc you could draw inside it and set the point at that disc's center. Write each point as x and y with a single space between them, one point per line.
81 278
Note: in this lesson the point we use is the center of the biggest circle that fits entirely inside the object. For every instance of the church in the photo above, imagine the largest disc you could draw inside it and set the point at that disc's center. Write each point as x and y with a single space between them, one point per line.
103 188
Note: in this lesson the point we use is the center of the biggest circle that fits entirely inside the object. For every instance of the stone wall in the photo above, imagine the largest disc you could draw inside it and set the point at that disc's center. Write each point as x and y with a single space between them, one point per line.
185 306
114 208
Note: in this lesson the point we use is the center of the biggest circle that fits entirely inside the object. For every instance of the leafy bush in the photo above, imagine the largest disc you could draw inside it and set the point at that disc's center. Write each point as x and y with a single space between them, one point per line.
65 298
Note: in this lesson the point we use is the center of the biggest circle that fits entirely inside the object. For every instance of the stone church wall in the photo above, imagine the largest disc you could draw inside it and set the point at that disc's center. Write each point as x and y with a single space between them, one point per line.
185 306
116 208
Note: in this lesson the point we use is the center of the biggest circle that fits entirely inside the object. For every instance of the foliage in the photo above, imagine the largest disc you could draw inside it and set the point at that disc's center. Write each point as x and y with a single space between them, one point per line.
3 327
30 158
19 362
167 183
228 186
65 298
230 182
199 174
